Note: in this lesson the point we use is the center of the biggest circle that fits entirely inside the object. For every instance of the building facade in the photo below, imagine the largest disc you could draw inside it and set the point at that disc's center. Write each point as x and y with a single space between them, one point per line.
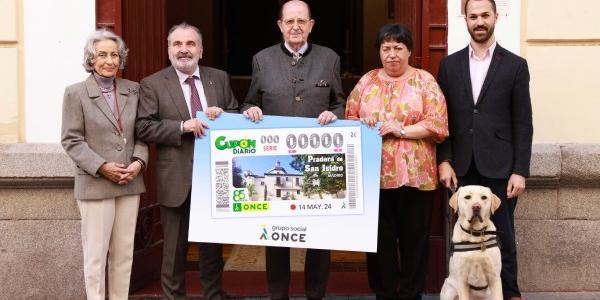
275 184
41 47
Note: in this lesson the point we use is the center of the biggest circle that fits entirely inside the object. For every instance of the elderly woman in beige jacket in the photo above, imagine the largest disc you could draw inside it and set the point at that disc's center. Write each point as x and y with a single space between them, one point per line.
98 134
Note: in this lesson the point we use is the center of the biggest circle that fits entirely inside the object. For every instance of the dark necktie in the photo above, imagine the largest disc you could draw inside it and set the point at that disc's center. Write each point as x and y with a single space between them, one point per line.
296 56
195 103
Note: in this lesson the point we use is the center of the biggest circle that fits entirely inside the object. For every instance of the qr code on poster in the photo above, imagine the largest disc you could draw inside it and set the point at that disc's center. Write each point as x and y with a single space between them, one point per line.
222 185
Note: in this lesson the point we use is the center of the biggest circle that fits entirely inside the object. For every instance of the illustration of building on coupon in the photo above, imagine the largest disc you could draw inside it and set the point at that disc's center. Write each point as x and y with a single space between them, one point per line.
309 177
286 172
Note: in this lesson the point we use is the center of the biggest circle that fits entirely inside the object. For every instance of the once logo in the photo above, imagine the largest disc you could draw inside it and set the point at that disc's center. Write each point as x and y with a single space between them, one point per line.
237 207
251 206
264 234
287 237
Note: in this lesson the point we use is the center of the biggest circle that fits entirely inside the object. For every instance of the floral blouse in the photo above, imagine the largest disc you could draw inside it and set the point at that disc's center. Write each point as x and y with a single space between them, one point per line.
416 99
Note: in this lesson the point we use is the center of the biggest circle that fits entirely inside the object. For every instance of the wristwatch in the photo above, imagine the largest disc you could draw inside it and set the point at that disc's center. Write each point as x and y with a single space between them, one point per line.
402 131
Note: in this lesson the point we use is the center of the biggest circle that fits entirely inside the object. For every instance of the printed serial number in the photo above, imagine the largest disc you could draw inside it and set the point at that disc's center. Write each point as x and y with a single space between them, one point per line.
314 140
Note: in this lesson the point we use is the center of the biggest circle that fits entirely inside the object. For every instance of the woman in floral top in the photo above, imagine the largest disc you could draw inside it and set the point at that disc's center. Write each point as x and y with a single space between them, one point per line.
412 109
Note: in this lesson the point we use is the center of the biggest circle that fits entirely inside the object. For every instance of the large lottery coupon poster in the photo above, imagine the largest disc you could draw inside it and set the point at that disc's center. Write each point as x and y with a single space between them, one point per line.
286 181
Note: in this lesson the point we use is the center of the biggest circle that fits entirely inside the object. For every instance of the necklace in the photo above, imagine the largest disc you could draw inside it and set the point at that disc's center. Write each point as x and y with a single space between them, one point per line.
108 90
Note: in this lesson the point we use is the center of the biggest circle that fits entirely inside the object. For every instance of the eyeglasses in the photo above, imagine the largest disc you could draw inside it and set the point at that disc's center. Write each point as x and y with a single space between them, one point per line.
299 22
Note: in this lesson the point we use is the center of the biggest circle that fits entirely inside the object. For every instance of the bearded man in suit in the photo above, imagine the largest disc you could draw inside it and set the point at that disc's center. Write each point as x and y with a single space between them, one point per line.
169 101
302 79
490 123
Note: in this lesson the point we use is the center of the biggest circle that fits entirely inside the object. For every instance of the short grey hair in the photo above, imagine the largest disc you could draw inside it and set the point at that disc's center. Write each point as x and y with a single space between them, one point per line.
89 50
184 25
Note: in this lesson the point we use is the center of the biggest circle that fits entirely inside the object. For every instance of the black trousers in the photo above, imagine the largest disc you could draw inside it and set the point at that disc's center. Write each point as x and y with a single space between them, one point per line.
175 223
503 218
316 272
398 269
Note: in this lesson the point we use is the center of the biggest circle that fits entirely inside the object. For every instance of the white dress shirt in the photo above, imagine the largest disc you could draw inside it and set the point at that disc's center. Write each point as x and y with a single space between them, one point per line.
187 89
300 51
478 66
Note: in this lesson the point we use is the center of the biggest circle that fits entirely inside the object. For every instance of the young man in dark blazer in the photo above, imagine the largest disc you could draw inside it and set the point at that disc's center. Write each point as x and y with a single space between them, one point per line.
169 100
296 78
490 122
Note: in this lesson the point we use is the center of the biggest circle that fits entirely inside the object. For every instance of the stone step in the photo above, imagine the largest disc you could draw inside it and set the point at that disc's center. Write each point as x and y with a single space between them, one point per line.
238 284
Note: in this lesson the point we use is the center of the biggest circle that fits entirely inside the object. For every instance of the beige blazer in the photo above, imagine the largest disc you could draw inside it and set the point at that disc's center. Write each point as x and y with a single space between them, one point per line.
90 137
160 113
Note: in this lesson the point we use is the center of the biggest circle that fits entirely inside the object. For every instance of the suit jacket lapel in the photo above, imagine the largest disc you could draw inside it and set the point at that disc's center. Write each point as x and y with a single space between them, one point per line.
177 97
122 94
466 74
496 59
208 84
96 97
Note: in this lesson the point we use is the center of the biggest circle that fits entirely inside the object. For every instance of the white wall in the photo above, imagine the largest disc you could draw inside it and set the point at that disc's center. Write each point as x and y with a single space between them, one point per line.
54 34
508 28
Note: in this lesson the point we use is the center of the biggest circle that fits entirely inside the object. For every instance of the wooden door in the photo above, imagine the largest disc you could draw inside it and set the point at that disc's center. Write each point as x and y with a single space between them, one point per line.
144 24
428 21
143 30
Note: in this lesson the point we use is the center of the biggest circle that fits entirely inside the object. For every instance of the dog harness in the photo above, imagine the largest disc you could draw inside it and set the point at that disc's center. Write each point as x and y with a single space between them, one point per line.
480 232
473 246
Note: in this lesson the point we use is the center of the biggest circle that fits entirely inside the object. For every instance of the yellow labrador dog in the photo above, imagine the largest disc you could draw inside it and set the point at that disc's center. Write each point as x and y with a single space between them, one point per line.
475 263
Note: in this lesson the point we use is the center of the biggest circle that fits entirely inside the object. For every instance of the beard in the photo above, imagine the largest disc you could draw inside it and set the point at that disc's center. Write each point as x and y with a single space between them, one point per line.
184 66
482 39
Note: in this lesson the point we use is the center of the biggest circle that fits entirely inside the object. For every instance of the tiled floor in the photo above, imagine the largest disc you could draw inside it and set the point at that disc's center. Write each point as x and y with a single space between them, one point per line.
527 296
348 266
241 285
342 261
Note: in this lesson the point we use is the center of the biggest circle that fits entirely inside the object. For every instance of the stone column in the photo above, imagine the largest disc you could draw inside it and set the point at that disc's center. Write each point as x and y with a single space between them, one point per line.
558 220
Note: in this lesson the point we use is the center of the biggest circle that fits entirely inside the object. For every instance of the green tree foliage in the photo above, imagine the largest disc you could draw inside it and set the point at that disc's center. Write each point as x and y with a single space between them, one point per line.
238 175
251 189
318 181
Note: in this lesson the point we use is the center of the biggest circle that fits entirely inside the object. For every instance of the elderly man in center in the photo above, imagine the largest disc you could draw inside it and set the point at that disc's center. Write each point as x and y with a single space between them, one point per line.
296 78
169 101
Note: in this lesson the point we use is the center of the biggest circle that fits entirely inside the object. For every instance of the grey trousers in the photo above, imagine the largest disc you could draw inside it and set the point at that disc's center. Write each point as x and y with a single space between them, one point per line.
316 272
175 223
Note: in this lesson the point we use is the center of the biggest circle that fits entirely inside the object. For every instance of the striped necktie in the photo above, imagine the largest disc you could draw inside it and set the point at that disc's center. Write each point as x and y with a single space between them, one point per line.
195 104
296 56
